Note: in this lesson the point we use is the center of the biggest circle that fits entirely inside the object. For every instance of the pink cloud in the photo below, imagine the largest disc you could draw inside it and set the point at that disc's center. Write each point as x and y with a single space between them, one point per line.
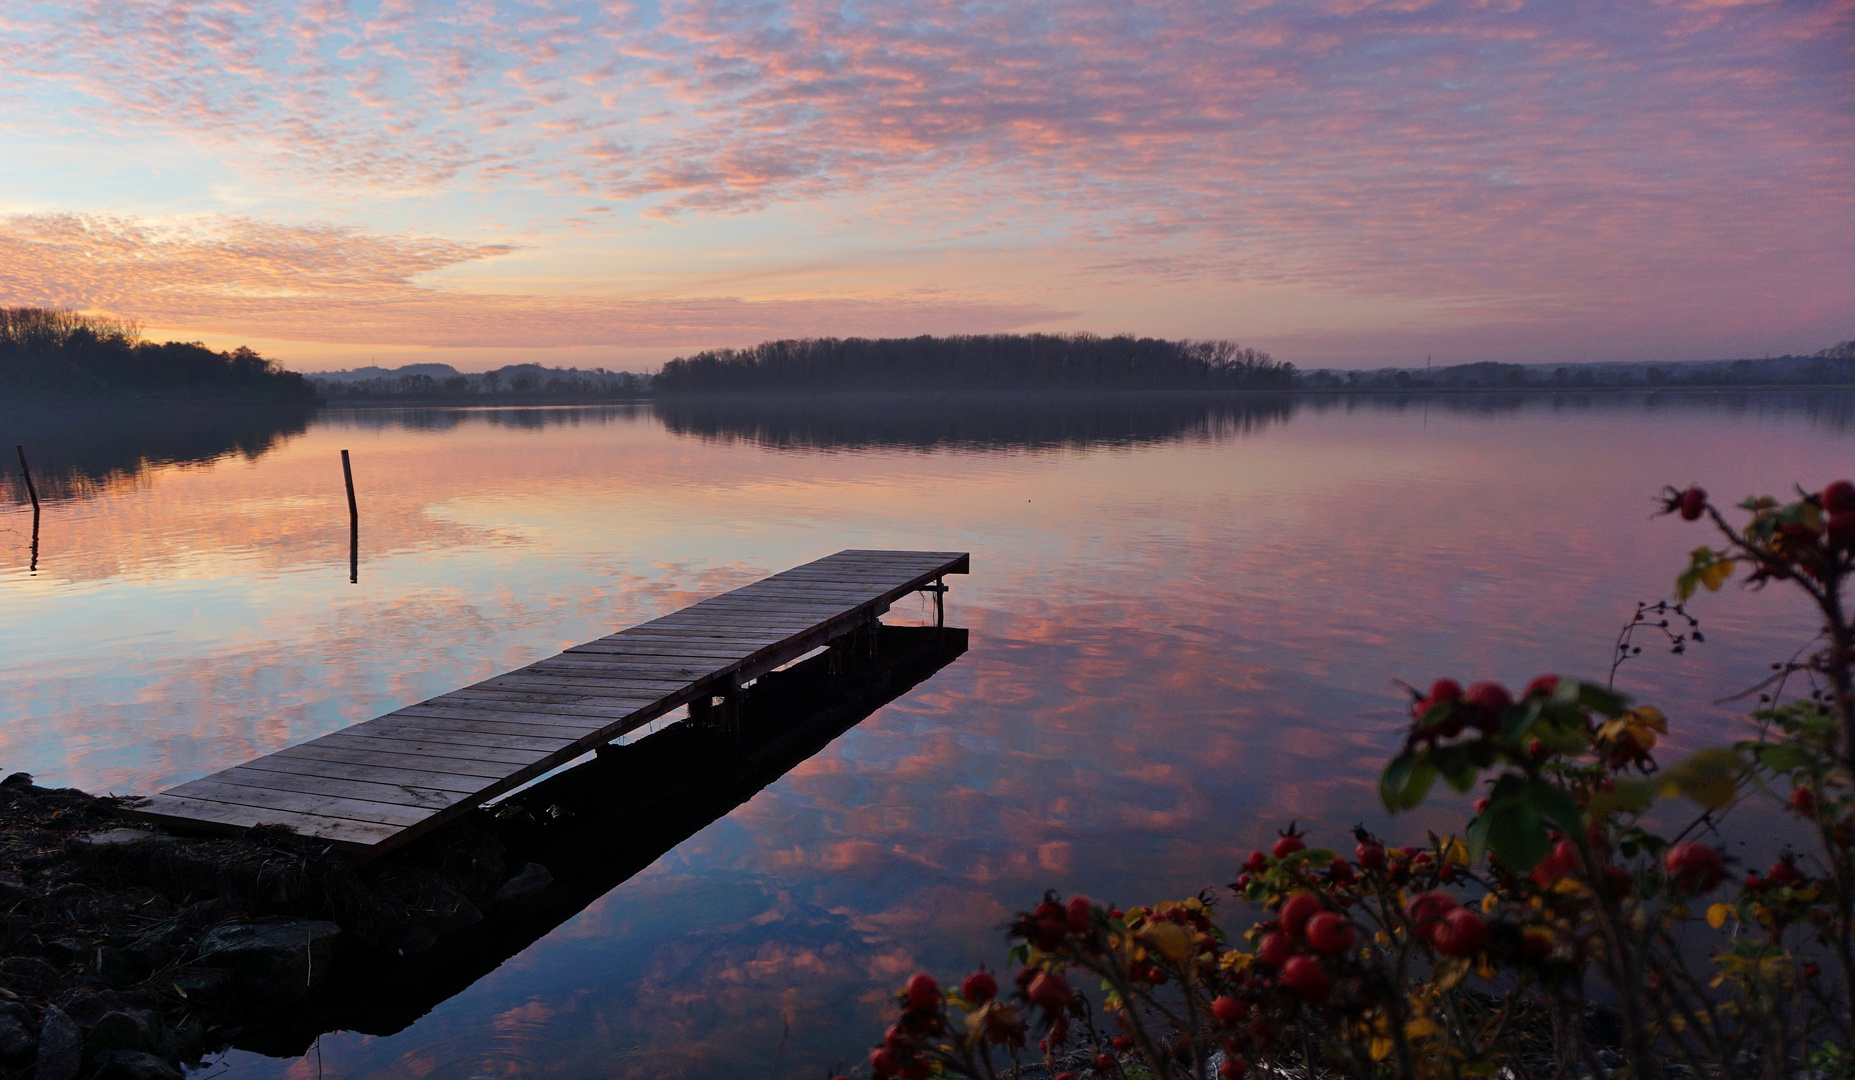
333 284
1672 166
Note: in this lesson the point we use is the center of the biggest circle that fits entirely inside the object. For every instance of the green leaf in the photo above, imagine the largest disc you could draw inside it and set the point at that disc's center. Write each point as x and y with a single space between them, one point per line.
1478 838
1626 796
1517 837
1777 757
1552 804
1709 777
1517 720
1602 699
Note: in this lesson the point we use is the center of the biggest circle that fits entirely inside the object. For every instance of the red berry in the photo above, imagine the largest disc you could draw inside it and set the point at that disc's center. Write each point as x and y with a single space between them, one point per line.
1077 913
1445 690
979 987
1371 856
1329 933
1123 1042
1839 497
1691 502
1229 1010
1693 867
1275 950
1784 872
882 1062
1811 971
923 992
1232 1068
1427 910
1104 1063
1049 991
1287 846
1488 700
1803 800
1305 976
1258 862
1460 933
1340 871
1840 526
1065 1075
1296 912
1543 685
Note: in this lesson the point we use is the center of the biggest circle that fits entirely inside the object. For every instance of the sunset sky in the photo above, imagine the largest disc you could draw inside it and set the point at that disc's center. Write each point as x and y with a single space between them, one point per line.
1343 183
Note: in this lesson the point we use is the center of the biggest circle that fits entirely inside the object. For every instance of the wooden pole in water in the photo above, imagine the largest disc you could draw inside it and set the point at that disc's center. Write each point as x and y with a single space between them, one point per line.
27 471
33 491
354 522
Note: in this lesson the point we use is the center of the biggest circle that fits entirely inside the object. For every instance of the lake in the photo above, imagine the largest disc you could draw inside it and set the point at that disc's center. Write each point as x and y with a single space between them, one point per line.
1186 621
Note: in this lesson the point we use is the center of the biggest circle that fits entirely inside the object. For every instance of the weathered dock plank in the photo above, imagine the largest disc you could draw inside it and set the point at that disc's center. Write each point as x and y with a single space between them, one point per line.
379 784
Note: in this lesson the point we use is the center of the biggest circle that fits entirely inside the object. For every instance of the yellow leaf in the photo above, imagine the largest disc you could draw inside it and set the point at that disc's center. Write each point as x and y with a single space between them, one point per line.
1456 852
1381 1048
1490 903
1715 575
1709 777
1651 716
1718 914
1172 940
1422 1028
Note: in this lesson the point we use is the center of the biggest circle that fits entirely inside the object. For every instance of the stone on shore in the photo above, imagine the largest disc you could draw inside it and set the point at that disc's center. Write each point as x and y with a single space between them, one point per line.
272 963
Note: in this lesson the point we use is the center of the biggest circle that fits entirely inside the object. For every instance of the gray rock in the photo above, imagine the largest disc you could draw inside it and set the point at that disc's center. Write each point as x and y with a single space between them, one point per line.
27 973
133 1065
110 838
117 967
164 945
200 985
17 1039
272 963
67 950
531 880
524 894
121 1030
422 935
61 1047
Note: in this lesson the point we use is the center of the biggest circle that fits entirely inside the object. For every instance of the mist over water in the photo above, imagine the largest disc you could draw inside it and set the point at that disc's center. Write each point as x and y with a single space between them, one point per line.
1186 617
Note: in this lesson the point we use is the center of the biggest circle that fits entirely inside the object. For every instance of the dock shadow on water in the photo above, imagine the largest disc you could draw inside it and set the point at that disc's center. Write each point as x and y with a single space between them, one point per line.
578 834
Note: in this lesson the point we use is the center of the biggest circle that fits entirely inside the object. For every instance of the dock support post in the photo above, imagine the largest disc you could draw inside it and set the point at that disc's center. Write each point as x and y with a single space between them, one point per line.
354 523
32 491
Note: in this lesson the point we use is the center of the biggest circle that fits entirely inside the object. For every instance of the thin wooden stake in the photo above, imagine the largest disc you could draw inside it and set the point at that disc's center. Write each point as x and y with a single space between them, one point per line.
354 522
33 491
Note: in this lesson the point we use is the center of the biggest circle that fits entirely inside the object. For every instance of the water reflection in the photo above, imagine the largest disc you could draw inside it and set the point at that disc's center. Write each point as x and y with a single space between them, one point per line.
1183 636
81 451
971 421
597 824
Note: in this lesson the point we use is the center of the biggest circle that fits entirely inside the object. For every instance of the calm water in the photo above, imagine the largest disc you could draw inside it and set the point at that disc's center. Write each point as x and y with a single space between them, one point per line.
1186 620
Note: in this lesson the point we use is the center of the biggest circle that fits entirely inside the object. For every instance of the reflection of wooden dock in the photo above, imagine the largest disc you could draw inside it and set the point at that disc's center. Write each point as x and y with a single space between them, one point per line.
373 786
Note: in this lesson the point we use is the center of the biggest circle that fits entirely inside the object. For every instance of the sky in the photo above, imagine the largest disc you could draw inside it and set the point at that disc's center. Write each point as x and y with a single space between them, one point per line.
1344 183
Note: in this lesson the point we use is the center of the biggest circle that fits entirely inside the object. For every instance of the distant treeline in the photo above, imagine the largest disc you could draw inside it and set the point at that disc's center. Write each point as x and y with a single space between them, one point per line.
444 382
1834 366
64 354
976 362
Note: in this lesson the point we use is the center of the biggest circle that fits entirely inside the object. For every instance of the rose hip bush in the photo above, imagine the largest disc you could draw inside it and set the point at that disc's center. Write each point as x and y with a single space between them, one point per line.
1480 954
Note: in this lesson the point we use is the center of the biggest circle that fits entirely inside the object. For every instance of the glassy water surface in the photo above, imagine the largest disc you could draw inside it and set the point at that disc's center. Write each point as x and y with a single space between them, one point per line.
1186 618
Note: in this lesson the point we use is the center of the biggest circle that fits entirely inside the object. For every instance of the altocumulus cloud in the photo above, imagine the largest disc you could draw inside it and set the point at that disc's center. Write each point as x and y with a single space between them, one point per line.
1601 159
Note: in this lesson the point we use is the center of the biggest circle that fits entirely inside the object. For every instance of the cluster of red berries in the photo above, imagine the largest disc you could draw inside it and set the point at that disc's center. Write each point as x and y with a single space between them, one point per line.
1782 873
1448 710
923 1014
1693 868
1802 541
1450 928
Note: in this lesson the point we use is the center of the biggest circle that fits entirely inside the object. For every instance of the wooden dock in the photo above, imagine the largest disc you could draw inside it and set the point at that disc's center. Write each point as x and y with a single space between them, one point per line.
376 785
